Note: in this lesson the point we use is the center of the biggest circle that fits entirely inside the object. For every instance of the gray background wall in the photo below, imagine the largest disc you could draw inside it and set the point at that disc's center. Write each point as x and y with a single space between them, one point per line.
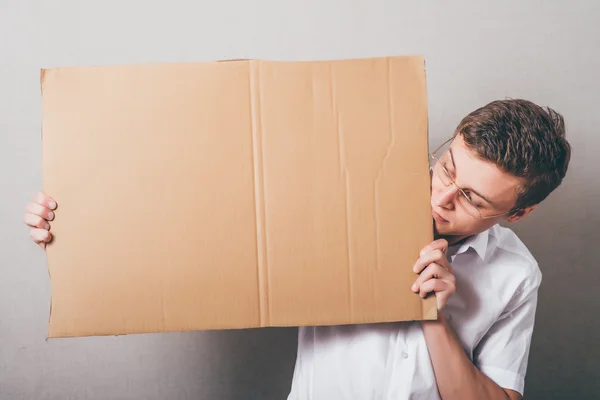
546 51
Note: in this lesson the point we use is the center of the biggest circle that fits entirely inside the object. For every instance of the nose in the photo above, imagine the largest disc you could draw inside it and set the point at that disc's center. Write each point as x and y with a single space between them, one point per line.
446 197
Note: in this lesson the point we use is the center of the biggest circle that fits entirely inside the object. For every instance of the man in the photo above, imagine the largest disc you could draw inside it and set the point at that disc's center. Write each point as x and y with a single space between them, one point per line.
502 161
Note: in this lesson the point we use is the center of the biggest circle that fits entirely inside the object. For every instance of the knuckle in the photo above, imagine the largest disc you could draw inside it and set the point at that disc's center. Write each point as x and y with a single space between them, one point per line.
436 269
426 274
40 198
451 287
34 220
35 209
42 224
33 233
427 248
439 254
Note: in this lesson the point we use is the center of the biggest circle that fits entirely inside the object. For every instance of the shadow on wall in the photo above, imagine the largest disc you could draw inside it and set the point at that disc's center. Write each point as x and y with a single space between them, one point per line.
230 364
562 235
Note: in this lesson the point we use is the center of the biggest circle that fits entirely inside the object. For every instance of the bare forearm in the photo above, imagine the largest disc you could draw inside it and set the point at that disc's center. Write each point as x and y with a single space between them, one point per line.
456 376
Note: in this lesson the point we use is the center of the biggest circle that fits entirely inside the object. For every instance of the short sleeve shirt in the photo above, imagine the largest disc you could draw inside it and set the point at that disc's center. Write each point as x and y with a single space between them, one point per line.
492 313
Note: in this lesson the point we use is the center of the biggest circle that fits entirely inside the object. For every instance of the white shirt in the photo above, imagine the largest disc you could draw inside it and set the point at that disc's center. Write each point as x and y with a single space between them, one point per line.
492 313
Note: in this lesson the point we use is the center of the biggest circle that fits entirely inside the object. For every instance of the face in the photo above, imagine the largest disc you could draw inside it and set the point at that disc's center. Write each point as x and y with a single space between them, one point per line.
490 190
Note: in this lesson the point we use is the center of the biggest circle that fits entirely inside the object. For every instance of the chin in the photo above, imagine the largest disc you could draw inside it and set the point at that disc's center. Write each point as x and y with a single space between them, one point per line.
440 229
444 229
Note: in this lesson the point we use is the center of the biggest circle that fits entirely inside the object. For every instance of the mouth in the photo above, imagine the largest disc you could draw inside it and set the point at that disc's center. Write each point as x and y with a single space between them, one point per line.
438 217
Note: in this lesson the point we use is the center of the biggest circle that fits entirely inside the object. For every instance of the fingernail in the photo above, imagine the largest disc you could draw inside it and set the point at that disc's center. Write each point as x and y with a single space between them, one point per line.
47 227
52 204
414 287
50 215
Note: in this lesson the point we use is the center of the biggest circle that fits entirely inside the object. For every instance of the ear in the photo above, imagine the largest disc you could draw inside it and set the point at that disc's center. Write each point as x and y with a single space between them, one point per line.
519 215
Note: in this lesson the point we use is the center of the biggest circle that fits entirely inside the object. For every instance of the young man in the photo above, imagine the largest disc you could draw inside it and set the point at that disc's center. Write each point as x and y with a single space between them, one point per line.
501 162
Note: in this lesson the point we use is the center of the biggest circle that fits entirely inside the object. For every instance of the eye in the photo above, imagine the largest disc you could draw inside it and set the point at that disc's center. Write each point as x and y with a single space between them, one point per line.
447 170
475 203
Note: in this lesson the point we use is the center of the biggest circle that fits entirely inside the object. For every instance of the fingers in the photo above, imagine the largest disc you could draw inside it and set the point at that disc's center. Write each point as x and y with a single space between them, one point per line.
40 236
35 221
433 271
440 244
434 256
43 200
433 285
40 210
443 291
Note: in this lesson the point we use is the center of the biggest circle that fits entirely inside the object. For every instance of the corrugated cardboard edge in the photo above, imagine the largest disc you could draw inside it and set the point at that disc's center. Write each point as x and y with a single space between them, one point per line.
429 304
42 79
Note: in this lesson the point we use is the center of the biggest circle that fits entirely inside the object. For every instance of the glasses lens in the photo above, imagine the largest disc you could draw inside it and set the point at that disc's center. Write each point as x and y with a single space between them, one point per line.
443 174
464 202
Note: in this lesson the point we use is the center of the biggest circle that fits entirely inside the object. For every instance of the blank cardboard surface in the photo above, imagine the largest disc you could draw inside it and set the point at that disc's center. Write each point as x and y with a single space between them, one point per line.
235 194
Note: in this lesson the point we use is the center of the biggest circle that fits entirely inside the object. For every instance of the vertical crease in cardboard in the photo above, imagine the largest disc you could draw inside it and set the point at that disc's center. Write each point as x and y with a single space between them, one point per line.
345 177
388 152
259 195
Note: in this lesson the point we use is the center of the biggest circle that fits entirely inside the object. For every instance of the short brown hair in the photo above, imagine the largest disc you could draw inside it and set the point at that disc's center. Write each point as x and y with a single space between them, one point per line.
523 139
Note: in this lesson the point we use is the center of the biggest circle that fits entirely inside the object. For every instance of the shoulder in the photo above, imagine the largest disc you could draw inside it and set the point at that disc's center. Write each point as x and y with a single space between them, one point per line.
512 255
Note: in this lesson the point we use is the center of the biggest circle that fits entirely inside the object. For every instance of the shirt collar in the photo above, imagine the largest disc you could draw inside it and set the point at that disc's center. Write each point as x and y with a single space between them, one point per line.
477 242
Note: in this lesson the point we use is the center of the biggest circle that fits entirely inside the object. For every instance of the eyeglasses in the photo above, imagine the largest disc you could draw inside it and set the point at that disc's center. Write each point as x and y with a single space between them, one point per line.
464 199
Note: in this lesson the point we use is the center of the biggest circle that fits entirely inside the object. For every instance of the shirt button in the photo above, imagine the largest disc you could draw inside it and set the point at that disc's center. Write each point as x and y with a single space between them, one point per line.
404 355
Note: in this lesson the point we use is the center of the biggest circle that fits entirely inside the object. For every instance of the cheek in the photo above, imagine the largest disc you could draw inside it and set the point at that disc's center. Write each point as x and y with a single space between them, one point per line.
468 225
436 189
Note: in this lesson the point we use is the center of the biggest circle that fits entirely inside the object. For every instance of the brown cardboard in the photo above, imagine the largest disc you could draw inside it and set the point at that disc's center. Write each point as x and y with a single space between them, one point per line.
235 194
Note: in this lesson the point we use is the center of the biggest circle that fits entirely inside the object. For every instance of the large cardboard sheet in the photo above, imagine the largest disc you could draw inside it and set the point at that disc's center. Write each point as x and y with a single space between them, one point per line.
236 194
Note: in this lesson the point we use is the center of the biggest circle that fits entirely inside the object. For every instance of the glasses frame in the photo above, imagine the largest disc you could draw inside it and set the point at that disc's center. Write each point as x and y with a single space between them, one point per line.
433 156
